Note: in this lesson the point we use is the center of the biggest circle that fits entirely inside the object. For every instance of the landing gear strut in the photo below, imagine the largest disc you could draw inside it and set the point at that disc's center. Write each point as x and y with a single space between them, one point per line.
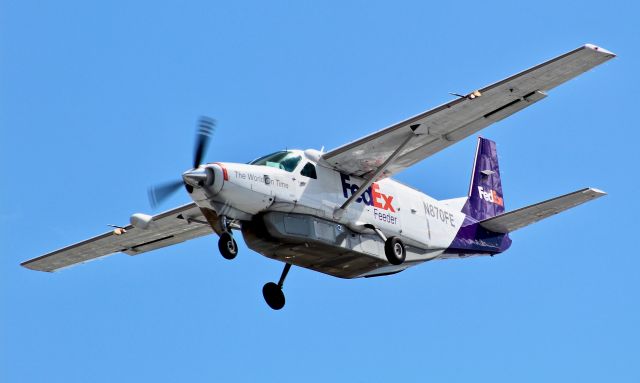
272 292
394 248
226 244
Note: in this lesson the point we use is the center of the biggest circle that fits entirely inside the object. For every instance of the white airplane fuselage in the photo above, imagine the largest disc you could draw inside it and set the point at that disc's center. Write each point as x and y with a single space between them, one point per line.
424 224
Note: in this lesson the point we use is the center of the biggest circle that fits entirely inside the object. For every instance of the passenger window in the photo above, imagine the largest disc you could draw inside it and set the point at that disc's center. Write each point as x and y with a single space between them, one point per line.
309 170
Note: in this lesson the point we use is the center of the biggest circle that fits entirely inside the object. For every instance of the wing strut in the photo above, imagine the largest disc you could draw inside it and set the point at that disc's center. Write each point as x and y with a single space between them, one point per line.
373 176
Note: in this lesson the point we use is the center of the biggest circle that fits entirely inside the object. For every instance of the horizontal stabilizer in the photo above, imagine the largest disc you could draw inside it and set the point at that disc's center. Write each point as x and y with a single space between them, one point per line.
514 220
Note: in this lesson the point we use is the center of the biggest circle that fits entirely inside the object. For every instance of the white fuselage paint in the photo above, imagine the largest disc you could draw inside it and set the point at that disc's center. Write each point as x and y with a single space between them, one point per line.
394 208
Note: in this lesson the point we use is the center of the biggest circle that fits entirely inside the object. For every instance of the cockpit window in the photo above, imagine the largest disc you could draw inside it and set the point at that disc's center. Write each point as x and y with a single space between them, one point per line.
309 171
282 160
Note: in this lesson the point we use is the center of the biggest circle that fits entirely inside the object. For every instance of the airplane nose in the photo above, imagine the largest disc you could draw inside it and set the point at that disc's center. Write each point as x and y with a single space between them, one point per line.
198 177
209 178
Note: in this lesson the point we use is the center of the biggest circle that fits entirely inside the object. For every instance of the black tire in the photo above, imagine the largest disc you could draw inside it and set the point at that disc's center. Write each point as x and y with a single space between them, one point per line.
227 246
395 251
273 295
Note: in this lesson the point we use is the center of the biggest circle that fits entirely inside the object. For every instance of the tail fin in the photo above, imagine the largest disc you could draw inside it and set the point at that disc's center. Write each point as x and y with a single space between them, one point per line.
485 191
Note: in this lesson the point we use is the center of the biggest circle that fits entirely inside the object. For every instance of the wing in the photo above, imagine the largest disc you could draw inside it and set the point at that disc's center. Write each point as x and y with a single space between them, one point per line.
168 228
449 123
517 219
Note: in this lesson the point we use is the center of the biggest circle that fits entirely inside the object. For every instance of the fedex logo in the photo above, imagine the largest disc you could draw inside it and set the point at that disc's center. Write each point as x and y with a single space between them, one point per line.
490 196
371 196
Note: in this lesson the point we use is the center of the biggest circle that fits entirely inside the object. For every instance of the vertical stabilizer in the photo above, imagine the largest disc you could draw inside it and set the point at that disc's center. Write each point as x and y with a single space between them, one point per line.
485 191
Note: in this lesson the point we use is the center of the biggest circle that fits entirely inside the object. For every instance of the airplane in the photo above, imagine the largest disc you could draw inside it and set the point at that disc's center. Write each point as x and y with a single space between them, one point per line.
340 212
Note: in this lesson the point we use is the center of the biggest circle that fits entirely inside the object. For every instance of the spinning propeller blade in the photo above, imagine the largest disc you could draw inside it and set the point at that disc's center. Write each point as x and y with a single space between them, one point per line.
159 193
206 126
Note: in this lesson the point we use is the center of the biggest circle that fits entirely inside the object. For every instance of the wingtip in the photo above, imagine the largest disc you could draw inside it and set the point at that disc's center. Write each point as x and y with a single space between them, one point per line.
28 265
596 48
596 192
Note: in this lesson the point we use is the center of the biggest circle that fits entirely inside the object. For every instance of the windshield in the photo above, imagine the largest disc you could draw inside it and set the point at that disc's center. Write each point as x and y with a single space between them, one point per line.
282 160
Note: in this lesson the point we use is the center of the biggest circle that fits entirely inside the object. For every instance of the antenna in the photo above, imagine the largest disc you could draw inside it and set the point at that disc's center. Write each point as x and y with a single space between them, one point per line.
117 230
470 96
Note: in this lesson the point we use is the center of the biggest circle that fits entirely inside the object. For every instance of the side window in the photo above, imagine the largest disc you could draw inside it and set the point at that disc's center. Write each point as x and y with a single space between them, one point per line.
309 170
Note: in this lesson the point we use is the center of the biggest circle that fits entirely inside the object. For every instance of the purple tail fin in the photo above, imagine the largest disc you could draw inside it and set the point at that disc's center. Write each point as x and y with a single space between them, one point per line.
485 191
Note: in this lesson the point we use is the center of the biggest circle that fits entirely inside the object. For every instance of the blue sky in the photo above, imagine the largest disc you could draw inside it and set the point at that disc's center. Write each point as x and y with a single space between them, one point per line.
99 101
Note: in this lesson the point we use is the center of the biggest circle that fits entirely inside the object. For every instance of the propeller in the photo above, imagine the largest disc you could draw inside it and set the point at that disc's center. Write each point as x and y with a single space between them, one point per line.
206 126
160 192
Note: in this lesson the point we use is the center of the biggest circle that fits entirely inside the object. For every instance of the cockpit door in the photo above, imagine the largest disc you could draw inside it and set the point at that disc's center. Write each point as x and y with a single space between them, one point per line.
311 189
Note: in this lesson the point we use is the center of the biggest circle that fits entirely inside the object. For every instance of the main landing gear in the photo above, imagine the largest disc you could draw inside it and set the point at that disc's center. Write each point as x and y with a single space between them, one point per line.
394 248
226 244
395 251
272 292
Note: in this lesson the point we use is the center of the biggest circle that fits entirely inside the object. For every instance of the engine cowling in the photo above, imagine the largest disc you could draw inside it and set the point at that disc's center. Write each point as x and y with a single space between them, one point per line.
216 178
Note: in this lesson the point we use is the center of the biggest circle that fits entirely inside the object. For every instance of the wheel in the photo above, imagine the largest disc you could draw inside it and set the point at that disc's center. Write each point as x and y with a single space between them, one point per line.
273 295
227 246
395 251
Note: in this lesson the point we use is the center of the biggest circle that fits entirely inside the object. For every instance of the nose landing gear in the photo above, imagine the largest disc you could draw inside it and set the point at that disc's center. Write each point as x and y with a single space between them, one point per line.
226 244
272 292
